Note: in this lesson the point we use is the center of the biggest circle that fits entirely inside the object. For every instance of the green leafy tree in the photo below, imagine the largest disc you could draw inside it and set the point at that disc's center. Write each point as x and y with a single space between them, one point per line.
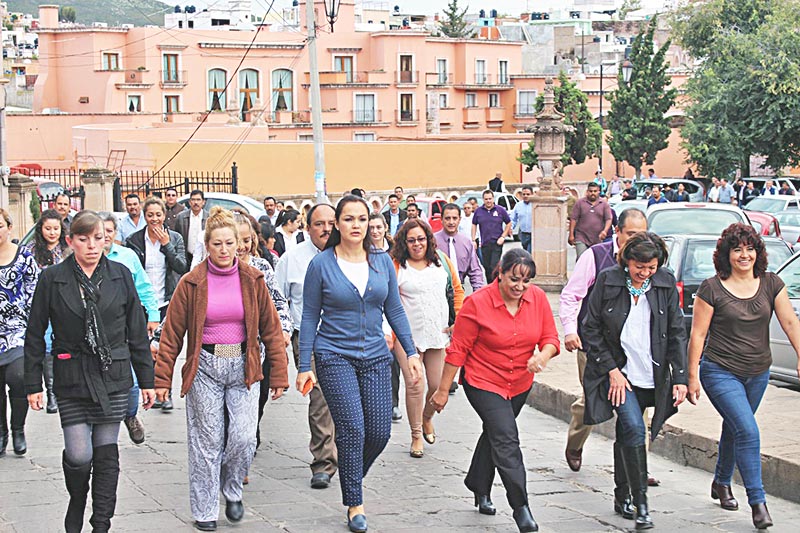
68 14
454 23
587 138
637 119
627 7
745 96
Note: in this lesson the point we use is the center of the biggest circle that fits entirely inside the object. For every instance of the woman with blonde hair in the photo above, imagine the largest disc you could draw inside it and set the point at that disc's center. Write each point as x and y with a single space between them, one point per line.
224 308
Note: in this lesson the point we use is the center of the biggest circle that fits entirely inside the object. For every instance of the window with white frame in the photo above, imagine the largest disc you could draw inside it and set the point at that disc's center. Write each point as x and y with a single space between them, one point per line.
134 103
364 137
217 79
471 100
364 110
407 107
305 137
170 73
480 71
110 61
442 100
282 90
494 99
441 70
526 103
172 103
248 91
502 72
344 64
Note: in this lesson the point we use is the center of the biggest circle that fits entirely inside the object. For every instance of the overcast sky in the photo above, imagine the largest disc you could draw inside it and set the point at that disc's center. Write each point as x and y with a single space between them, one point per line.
513 7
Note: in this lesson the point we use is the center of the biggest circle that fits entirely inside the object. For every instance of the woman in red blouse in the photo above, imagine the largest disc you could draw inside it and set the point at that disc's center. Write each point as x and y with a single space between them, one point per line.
494 339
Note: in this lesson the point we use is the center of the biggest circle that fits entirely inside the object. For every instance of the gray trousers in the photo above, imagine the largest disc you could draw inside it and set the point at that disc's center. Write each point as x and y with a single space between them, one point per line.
213 463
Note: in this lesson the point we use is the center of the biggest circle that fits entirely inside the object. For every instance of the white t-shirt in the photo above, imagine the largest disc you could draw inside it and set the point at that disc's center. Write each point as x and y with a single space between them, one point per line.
424 297
195 230
357 273
635 341
155 264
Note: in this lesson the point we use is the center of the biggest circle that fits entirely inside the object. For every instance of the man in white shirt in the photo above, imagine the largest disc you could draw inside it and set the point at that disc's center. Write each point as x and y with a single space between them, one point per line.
134 221
271 207
192 222
290 276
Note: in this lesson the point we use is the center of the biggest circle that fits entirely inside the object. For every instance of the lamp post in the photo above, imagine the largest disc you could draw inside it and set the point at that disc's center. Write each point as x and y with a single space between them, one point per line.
332 11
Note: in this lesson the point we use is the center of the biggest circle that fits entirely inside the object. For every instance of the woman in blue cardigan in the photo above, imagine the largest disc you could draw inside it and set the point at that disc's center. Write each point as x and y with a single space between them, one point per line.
347 291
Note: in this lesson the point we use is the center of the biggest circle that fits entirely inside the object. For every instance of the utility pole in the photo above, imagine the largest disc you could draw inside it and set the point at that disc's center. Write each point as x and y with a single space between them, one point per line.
320 193
4 171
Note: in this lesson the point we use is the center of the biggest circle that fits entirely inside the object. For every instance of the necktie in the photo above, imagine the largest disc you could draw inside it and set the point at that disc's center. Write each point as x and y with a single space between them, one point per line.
452 251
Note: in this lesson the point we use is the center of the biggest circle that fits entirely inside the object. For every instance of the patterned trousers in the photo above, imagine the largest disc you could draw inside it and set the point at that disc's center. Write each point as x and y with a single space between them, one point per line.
215 464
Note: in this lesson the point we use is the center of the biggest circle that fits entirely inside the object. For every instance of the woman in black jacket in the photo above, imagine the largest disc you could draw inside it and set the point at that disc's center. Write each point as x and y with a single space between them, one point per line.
171 264
288 233
636 357
98 331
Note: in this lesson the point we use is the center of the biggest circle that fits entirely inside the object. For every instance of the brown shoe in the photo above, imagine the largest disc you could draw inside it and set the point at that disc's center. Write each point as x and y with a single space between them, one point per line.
574 459
724 494
761 517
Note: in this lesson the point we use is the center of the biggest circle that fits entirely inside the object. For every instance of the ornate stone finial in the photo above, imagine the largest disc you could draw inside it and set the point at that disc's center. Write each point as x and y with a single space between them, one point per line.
257 113
233 112
549 140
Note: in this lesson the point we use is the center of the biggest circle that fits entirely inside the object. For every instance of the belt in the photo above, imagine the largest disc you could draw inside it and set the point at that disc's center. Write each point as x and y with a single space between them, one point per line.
226 350
525 232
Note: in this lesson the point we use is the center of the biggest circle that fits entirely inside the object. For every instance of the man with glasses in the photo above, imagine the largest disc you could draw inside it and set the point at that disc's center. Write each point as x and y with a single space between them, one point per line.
173 208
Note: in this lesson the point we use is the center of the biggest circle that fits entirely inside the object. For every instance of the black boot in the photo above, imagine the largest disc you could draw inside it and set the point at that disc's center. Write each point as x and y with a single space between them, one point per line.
622 491
3 423
19 412
524 519
635 459
52 406
105 475
77 481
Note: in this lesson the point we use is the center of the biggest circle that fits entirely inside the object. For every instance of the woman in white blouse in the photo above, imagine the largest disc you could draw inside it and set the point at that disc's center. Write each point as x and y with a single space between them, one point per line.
423 277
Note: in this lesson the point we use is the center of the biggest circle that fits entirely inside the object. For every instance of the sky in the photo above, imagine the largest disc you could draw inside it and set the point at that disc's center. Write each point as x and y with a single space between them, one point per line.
429 7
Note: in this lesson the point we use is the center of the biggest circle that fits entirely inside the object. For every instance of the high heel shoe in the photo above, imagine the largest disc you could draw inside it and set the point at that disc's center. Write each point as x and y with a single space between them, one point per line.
430 438
484 504
524 520
761 517
724 494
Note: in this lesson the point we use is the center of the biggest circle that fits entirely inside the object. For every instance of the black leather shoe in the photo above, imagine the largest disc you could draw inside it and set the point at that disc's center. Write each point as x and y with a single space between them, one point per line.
234 511
357 524
210 525
18 439
574 459
761 517
624 507
484 504
453 387
3 442
724 494
320 480
52 404
524 520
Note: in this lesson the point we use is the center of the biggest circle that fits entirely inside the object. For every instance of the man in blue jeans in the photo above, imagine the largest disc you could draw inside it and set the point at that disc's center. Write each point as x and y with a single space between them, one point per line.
144 289
522 218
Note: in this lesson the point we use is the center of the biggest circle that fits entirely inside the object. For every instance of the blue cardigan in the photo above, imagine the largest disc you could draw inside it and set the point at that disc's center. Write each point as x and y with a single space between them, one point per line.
350 324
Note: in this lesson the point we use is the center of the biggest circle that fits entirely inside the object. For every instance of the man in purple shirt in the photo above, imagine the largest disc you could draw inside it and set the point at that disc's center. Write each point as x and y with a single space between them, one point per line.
458 247
590 220
490 218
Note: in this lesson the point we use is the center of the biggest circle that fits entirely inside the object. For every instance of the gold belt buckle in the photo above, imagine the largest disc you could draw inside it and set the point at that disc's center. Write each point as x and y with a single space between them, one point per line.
228 350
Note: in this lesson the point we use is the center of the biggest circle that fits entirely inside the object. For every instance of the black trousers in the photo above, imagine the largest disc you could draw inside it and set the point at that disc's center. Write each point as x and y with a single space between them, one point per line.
491 256
498 446
395 382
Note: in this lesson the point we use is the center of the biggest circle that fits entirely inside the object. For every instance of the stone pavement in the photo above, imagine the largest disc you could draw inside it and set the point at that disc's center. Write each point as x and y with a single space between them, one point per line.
402 494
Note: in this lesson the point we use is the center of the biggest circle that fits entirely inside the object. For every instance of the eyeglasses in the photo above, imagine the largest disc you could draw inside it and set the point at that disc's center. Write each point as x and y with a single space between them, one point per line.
421 240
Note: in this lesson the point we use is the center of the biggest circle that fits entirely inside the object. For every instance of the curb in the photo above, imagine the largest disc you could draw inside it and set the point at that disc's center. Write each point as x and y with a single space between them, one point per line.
781 477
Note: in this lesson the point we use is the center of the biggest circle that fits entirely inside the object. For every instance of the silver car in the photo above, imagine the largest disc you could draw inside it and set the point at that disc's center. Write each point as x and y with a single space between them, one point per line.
790 225
784 358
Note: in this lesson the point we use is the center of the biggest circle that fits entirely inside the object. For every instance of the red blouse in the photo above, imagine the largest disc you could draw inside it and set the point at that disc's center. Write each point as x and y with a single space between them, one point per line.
493 346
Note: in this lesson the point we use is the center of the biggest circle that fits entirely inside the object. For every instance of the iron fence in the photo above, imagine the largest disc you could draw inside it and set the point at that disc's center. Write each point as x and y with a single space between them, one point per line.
146 183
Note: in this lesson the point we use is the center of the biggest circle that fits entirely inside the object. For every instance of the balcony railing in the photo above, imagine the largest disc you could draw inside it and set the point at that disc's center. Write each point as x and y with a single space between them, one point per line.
362 116
407 115
525 110
340 77
407 76
173 78
288 117
439 78
495 114
481 78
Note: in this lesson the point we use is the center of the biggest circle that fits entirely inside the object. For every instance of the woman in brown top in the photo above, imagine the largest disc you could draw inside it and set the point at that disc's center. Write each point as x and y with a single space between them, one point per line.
733 309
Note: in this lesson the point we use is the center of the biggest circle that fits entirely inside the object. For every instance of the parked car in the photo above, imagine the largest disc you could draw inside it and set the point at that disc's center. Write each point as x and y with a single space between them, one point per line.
690 218
765 223
694 188
784 359
229 201
790 225
48 189
772 203
760 181
691 258
431 208
641 205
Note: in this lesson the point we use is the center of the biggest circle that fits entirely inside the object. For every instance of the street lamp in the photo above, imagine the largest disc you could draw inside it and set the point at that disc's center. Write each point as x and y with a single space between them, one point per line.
332 11
627 71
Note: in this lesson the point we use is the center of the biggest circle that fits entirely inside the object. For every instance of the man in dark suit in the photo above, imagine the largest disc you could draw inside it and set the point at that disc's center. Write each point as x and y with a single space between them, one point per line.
191 223
394 215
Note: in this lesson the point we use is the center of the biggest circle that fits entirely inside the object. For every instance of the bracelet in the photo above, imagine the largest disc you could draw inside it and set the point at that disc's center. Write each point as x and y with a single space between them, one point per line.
413 355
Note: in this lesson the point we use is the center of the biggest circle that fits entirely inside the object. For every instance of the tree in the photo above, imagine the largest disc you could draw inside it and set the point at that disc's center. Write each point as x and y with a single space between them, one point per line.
586 141
68 14
627 7
454 25
637 119
744 95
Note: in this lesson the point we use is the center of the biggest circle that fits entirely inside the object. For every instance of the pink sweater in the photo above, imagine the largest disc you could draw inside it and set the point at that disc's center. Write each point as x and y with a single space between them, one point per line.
225 312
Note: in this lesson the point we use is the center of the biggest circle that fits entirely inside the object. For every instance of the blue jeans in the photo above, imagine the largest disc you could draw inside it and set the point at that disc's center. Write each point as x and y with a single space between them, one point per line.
736 398
133 397
525 241
630 430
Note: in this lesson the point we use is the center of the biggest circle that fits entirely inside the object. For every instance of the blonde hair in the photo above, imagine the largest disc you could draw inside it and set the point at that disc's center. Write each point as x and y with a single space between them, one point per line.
220 218
6 217
155 200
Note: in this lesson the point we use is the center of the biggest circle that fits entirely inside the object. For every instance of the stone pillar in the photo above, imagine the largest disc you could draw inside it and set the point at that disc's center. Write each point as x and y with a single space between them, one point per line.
21 190
98 185
550 241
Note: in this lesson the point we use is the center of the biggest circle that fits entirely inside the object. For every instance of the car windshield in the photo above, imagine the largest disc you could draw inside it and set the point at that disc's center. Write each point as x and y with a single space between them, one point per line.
691 221
791 277
777 254
699 262
788 219
767 205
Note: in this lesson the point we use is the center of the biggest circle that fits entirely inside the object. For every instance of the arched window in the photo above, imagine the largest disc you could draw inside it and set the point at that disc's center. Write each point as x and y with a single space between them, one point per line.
217 78
282 96
248 90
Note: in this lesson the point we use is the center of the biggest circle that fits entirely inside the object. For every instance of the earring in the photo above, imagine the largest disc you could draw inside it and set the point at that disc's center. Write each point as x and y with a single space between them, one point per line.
626 269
